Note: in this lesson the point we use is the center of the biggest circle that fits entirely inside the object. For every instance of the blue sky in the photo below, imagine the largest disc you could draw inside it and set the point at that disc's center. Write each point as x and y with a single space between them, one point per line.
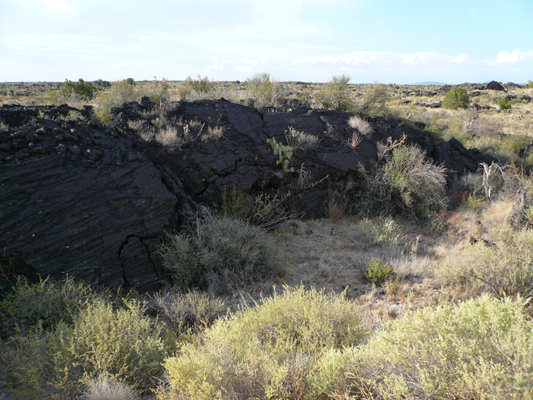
391 41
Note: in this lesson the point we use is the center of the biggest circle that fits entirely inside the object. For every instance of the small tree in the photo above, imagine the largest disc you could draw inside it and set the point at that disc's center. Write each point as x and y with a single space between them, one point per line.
456 98
81 90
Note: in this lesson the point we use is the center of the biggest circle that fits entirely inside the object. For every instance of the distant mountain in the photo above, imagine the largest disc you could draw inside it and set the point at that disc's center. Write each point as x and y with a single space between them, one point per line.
429 83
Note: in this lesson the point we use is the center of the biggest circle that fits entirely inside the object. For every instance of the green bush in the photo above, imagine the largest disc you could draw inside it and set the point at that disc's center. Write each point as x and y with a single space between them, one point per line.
456 98
200 85
121 92
377 272
221 255
263 90
407 184
80 90
277 349
374 101
335 94
505 104
122 343
481 349
44 304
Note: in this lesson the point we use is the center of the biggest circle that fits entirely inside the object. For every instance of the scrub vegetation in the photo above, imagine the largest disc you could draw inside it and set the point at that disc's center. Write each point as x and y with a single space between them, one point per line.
421 290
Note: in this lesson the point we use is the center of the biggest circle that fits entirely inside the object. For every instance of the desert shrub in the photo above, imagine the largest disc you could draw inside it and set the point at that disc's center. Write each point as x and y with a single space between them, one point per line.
120 92
277 349
513 148
456 98
221 255
45 304
407 184
505 104
481 349
123 343
183 312
504 268
264 211
374 101
80 90
264 91
158 91
377 272
384 232
335 94
199 85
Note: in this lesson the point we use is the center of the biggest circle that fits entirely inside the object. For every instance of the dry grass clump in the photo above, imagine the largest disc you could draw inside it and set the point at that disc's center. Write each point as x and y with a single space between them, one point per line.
188 312
360 124
302 141
105 388
169 137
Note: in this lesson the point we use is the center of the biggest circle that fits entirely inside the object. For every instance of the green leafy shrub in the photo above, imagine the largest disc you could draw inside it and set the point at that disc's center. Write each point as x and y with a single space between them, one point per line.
377 272
456 98
505 104
277 349
335 94
122 343
407 184
43 304
481 349
222 255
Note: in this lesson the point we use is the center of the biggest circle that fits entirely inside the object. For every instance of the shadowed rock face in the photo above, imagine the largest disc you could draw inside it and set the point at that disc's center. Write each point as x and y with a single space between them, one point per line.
95 201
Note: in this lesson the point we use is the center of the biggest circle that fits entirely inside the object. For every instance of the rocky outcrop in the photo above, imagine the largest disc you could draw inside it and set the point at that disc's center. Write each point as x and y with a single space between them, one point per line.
493 85
95 201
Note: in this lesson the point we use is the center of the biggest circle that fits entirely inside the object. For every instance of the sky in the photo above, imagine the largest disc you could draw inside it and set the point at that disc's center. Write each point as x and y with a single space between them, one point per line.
390 41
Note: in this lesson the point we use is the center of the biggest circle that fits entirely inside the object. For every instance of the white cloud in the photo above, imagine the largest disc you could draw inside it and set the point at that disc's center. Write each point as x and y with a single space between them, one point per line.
246 66
462 59
513 57
384 58
60 5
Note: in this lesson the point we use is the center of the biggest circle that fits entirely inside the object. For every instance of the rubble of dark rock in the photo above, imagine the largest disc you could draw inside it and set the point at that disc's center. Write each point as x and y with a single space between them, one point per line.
94 201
